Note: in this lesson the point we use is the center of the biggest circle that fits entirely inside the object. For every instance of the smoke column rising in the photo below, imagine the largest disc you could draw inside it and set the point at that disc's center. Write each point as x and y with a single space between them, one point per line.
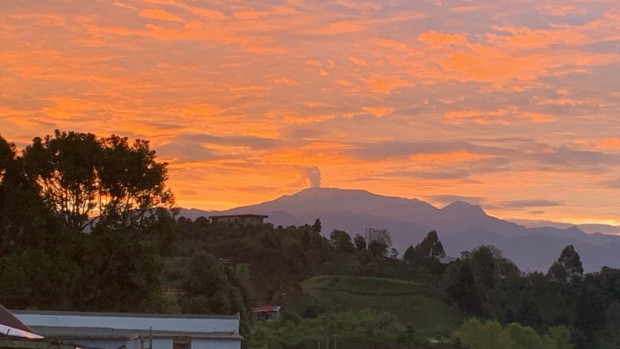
314 176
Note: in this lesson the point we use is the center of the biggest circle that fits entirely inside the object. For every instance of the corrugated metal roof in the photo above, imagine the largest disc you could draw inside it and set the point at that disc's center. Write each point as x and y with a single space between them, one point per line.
115 333
132 322
12 326
110 314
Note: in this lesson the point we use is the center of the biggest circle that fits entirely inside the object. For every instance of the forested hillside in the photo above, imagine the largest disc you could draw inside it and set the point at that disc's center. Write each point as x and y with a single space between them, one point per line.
88 224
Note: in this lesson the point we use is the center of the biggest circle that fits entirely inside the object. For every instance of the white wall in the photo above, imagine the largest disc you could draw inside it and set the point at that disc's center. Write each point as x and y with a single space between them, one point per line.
98 343
157 343
215 344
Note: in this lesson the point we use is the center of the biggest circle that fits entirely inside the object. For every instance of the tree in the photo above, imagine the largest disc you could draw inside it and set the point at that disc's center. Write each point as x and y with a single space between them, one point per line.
211 288
426 254
461 287
483 267
81 176
7 159
568 267
118 273
529 315
590 311
561 336
490 335
7 156
431 247
570 260
410 254
393 253
379 240
341 241
65 168
316 227
360 242
133 183
377 248
36 266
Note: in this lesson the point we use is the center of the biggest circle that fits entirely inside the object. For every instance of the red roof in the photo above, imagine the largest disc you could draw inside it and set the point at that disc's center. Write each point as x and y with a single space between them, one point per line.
266 308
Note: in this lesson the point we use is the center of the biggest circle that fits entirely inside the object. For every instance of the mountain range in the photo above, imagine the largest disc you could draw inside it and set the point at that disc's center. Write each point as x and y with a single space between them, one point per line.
460 226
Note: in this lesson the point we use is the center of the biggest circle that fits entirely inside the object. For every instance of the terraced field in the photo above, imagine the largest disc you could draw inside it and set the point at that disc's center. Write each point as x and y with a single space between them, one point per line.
415 304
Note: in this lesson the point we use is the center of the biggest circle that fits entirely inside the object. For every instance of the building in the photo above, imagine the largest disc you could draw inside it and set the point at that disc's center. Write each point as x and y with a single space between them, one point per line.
135 331
11 326
14 334
239 219
266 313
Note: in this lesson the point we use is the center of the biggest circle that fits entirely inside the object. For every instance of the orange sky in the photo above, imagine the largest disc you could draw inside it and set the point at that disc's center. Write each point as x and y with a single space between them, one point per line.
511 106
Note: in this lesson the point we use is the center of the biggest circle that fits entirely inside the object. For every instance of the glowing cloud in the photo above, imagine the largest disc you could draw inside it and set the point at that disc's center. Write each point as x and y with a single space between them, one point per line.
515 105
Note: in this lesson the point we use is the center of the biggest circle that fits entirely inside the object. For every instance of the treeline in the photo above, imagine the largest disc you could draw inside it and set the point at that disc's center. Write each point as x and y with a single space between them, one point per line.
491 287
271 262
481 282
53 253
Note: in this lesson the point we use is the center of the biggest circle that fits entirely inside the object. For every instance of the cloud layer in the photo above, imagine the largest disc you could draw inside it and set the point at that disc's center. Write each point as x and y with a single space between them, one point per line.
513 104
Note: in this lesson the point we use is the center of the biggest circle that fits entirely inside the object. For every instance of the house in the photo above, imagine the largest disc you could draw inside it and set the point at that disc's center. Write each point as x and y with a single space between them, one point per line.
266 313
135 331
239 219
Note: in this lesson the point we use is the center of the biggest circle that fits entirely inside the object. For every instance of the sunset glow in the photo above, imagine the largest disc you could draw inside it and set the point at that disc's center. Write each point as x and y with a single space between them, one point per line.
514 106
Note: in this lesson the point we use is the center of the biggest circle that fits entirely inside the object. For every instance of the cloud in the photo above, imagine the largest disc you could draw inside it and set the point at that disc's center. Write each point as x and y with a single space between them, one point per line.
505 116
358 61
385 84
447 199
611 183
406 98
609 143
184 152
236 141
579 160
379 111
161 15
434 38
448 174
522 204
392 149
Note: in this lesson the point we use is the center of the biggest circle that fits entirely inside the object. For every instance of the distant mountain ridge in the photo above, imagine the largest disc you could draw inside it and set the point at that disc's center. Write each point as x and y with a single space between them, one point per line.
460 226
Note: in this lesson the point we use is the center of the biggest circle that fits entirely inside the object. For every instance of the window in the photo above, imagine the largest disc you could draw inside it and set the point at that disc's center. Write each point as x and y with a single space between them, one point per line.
182 343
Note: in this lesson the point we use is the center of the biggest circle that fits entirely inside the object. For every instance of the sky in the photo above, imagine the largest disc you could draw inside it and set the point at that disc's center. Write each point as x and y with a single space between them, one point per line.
512 105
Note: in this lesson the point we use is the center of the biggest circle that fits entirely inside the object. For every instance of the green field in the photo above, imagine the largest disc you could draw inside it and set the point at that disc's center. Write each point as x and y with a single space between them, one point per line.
414 304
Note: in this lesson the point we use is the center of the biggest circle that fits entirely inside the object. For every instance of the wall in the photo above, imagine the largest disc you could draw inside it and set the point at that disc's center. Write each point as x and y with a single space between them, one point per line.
215 344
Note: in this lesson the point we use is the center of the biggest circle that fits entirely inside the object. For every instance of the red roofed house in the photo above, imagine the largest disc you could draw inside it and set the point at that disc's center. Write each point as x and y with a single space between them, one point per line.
266 313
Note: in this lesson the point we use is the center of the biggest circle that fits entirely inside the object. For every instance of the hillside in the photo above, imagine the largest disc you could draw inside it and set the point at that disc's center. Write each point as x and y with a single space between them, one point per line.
415 304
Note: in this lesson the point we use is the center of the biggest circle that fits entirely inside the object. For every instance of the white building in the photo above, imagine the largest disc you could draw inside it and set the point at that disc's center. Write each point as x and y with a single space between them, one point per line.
135 331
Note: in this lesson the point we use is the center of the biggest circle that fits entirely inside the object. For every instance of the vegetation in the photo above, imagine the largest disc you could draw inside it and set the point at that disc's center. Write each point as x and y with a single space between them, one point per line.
417 305
87 223
492 335
53 253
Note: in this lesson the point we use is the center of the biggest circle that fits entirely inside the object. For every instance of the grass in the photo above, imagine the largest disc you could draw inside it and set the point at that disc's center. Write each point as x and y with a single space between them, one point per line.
415 304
